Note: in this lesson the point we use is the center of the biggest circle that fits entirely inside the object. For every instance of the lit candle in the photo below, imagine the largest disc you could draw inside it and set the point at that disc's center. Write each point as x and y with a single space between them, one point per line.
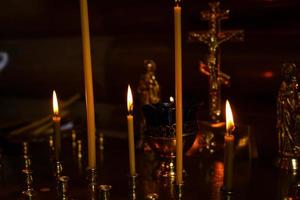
178 91
56 126
88 82
130 132
228 149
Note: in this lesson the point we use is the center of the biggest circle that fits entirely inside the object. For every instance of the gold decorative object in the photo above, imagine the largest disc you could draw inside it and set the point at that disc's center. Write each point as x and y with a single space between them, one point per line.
288 119
214 37
149 89
104 192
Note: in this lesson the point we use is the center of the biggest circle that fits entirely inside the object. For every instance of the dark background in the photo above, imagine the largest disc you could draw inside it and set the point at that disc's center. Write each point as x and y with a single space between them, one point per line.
43 40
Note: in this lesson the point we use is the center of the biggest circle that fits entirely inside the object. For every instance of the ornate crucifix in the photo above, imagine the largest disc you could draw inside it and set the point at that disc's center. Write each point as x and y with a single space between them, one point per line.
214 37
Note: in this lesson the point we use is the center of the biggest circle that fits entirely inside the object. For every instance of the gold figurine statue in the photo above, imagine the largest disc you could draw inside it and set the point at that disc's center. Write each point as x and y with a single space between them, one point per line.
213 38
149 90
149 93
288 114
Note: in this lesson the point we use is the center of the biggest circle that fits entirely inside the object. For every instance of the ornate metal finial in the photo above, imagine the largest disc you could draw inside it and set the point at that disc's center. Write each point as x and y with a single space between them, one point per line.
288 119
214 37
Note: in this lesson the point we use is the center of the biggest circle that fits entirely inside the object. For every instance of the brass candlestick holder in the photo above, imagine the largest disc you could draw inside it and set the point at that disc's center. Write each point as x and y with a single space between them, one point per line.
179 191
64 187
92 178
104 192
29 191
132 187
58 170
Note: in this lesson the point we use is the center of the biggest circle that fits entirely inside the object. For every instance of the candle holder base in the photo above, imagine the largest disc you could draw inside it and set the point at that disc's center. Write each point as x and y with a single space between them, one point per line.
132 186
104 192
64 187
179 191
92 178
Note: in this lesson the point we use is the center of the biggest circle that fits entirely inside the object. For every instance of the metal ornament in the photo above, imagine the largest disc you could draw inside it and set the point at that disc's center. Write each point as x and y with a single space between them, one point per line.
288 119
214 37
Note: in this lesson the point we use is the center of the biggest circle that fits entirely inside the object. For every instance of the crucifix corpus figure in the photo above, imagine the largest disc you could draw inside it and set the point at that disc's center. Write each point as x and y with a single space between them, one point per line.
213 38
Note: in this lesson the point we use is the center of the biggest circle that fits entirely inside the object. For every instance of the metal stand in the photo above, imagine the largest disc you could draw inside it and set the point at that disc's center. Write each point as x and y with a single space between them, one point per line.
29 191
58 170
132 187
64 187
92 178
179 191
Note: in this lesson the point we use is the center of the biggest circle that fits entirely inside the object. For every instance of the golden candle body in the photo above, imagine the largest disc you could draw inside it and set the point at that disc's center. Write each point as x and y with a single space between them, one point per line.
57 136
178 94
228 161
131 145
88 82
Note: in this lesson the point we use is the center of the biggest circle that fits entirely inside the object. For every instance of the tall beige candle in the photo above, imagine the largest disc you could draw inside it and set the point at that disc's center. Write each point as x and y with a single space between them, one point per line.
178 93
56 126
88 82
130 132
228 149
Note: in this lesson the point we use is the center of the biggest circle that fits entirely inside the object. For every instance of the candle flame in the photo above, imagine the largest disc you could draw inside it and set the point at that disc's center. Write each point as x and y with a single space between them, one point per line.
129 100
55 103
229 118
171 99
